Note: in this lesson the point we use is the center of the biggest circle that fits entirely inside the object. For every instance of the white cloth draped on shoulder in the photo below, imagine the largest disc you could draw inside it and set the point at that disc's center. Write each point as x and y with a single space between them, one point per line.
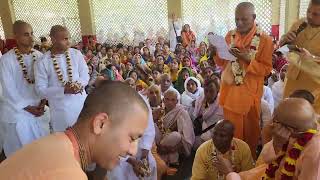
277 92
187 98
64 108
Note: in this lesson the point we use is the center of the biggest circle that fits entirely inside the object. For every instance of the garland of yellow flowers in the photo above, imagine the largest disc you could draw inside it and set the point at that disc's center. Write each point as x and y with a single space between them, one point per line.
291 157
238 71
23 66
58 70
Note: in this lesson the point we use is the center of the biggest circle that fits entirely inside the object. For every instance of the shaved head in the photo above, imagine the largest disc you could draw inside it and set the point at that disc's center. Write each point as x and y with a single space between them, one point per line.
313 13
110 97
23 34
56 29
302 93
222 135
18 25
171 93
297 113
225 125
244 17
246 6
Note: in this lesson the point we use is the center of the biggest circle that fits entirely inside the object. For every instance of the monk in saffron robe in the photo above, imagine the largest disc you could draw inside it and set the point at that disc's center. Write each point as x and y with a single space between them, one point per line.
102 134
303 71
241 103
293 121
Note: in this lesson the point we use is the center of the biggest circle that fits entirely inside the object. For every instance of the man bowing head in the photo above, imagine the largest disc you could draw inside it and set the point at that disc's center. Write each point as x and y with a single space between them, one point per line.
103 133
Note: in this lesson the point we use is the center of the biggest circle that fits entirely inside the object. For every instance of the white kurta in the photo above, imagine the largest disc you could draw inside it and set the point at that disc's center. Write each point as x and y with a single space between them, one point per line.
64 108
21 126
124 170
268 97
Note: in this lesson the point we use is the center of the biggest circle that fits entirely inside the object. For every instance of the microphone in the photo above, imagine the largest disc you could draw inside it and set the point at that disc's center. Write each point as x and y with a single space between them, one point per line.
299 30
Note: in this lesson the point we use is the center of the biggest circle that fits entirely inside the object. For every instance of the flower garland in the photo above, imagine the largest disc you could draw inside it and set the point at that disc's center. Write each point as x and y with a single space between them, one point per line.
238 71
213 156
291 157
58 70
23 66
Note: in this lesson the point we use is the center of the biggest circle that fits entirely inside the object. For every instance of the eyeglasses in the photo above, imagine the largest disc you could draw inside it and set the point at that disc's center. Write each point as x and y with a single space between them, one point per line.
293 130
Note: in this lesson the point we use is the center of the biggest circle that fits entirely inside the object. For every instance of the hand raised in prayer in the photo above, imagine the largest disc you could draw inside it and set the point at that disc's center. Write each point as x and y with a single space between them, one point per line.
222 164
242 55
288 38
34 110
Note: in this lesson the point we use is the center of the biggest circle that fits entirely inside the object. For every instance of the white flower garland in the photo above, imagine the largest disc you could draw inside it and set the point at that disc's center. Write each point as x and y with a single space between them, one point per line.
58 70
23 66
75 85
238 71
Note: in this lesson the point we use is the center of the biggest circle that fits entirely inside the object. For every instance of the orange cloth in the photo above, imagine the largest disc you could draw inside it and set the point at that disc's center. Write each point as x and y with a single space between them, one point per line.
307 165
49 158
161 165
241 104
187 37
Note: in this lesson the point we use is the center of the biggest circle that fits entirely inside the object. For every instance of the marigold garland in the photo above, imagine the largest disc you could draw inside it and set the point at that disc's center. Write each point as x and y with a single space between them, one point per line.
238 71
291 157
58 70
23 66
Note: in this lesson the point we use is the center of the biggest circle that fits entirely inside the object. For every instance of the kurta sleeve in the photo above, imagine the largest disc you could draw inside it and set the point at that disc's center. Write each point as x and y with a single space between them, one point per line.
83 70
9 89
198 168
307 65
42 82
246 159
262 64
147 139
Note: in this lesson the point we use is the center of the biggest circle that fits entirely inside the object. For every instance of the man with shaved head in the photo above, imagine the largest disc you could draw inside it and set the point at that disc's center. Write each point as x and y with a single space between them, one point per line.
304 66
296 142
22 110
174 130
240 97
60 77
166 85
223 143
102 134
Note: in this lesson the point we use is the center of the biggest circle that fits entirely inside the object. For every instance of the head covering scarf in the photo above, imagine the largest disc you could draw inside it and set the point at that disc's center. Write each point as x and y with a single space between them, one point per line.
179 85
108 72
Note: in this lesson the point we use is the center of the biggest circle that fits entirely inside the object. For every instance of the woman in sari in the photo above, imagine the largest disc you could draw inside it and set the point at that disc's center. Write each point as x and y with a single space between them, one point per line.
168 55
182 77
140 85
193 91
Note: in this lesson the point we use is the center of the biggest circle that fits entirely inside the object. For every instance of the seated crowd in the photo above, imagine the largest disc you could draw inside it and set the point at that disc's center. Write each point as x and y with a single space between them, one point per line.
191 104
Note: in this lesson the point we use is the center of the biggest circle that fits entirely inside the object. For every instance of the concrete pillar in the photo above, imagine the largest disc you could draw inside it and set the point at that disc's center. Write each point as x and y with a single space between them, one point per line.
7 18
275 19
175 6
87 23
292 13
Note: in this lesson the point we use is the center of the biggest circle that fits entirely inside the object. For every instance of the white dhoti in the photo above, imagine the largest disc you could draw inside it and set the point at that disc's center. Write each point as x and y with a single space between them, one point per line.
24 131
